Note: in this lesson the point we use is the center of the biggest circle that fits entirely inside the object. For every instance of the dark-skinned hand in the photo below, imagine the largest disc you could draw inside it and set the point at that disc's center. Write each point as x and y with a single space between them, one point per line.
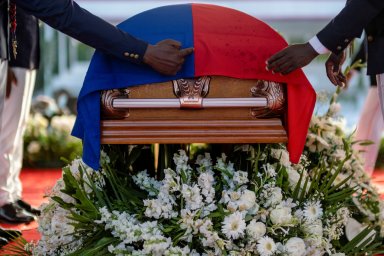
166 57
11 80
333 68
291 58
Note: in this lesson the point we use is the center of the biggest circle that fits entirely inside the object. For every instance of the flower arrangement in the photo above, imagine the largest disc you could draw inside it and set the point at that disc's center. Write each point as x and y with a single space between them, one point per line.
249 201
46 139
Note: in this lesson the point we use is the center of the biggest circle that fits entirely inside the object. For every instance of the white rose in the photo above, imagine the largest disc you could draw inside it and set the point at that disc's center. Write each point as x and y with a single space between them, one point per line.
281 216
295 247
247 200
293 177
315 228
281 155
256 230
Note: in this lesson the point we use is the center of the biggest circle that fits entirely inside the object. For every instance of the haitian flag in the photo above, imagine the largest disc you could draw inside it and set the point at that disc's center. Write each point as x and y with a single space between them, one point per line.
226 42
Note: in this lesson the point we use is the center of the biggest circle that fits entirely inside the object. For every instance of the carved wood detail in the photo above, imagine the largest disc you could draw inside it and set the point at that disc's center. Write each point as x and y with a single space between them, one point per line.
107 109
276 100
191 91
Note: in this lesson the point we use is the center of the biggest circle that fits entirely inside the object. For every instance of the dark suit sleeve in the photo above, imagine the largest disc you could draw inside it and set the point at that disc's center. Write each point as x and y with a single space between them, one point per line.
69 18
349 23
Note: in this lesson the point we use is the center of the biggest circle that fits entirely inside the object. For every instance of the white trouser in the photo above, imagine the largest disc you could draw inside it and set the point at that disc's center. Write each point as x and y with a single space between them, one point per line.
3 82
370 127
380 87
14 118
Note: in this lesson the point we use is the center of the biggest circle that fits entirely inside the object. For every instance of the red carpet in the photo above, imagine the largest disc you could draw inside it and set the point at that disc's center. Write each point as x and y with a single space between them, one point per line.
35 185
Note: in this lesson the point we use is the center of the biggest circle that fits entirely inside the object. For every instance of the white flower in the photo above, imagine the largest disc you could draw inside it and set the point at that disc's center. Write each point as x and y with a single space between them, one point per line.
295 247
256 230
339 154
234 225
340 178
281 215
266 246
312 211
316 143
314 228
247 200
240 177
334 108
293 177
33 147
282 155
192 196
270 170
274 197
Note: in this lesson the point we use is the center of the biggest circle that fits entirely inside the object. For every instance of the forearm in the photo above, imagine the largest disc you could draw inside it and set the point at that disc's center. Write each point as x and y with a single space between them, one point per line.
67 17
349 24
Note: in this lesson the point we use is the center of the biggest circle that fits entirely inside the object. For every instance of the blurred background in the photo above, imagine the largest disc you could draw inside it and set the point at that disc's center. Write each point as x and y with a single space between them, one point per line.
65 60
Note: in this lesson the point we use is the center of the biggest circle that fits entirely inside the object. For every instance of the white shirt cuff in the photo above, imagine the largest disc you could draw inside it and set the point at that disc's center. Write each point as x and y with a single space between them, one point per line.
318 46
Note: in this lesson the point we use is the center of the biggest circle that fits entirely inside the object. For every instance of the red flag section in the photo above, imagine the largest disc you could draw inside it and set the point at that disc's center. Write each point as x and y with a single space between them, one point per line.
231 43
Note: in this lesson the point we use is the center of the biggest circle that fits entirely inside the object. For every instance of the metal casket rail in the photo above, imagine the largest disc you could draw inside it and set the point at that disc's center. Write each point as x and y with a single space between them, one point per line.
202 110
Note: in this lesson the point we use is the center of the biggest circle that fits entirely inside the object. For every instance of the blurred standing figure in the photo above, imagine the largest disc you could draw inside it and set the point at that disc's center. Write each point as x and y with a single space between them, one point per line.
20 85
371 124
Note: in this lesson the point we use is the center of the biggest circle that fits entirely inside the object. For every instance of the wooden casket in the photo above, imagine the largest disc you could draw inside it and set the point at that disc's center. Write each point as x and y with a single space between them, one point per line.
209 109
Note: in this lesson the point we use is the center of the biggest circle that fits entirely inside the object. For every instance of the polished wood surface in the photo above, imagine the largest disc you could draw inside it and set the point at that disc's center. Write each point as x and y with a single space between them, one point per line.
192 123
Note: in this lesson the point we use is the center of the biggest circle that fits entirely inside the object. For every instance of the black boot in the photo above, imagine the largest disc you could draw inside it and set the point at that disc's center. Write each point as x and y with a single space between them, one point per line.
12 213
9 234
3 242
27 207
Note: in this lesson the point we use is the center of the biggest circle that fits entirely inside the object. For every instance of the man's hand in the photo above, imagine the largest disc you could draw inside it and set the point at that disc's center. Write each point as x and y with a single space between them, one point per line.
166 56
11 79
333 68
291 58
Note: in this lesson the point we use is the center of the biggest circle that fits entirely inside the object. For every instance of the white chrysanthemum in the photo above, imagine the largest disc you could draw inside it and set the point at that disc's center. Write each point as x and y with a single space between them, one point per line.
266 246
256 230
295 247
312 211
281 215
234 225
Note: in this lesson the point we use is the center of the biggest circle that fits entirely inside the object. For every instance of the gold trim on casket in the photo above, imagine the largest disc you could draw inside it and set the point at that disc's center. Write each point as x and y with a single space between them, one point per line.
209 109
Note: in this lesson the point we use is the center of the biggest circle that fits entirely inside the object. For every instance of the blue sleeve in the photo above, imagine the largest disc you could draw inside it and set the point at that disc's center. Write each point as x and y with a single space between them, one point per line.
349 23
68 17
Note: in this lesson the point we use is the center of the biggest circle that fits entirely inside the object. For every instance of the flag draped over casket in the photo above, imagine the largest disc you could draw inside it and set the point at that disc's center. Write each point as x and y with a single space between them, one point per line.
226 42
